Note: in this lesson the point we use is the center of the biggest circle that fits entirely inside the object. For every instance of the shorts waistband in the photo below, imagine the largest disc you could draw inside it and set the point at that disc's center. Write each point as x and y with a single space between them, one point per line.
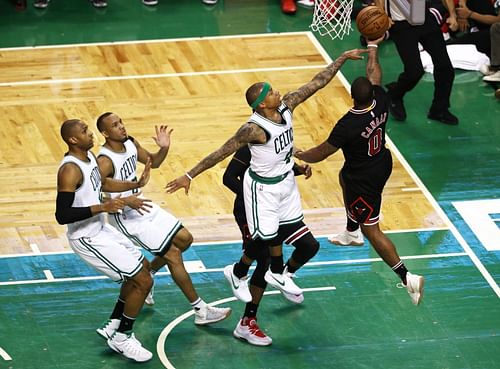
267 180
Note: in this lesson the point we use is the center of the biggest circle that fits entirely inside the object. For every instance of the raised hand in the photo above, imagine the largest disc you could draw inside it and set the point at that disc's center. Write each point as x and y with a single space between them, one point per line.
162 138
179 182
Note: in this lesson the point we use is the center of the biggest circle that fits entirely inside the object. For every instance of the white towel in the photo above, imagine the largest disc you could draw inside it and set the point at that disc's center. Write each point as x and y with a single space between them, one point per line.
462 57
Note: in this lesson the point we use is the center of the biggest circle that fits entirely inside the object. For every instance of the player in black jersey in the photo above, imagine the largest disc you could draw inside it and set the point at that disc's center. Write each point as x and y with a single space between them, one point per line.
233 179
360 133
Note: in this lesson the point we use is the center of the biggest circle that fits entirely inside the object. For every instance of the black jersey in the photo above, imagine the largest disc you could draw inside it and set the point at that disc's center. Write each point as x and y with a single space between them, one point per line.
361 134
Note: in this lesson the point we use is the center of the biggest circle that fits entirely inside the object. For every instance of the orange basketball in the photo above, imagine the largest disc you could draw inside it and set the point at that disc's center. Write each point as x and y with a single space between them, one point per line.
372 22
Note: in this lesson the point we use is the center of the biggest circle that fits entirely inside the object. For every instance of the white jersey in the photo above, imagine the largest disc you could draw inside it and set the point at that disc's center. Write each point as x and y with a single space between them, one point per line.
124 165
88 194
275 157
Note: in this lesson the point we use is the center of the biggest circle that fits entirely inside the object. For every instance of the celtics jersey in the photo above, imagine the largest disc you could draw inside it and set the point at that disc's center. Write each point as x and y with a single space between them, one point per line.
273 158
88 194
124 164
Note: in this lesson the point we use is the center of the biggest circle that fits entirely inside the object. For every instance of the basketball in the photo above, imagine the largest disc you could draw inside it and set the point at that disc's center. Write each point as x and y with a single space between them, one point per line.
372 22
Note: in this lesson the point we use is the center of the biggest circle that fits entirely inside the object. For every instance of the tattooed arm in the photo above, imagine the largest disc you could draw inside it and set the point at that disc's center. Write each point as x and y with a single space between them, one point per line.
320 80
248 133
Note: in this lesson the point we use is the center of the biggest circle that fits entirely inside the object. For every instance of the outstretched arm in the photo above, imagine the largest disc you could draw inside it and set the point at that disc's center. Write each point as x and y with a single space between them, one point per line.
248 133
373 70
320 80
317 153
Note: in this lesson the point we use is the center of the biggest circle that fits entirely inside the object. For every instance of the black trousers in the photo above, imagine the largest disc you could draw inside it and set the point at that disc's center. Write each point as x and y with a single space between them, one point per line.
406 38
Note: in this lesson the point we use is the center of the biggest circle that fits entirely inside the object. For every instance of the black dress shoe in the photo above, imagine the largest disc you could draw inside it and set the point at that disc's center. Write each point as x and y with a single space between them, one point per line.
444 117
396 106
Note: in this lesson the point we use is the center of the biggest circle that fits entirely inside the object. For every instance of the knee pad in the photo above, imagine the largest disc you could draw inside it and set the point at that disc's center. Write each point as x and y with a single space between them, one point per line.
256 249
257 278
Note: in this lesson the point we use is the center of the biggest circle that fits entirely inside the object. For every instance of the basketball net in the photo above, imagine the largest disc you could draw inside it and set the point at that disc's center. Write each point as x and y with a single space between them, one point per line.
332 18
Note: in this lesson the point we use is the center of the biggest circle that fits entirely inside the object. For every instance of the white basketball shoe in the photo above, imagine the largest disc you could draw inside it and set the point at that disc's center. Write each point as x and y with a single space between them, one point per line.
347 238
128 346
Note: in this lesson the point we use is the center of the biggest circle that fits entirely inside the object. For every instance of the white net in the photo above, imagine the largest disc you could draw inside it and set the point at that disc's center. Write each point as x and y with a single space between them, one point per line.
332 18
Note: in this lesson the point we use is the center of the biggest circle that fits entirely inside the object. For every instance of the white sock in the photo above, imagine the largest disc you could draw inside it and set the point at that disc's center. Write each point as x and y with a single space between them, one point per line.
198 304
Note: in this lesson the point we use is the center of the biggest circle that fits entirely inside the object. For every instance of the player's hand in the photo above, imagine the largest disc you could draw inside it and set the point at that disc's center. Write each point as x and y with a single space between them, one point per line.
463 25
179 182
376 41
145 174
113 205
162 138
305 170
140 204
354 54
452 23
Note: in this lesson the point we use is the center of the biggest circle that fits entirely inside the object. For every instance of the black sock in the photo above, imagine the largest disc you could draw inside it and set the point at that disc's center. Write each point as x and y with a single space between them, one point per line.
277 264
352 225
401 270
291 268
240 269
126 324
251 310
118 310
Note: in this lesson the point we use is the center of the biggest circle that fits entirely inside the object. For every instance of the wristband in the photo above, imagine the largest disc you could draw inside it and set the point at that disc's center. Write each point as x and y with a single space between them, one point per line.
189 177
372 45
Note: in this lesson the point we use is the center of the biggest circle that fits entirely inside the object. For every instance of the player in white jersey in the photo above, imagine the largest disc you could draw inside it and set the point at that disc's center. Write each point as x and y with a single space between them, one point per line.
272 200
143 222
79 206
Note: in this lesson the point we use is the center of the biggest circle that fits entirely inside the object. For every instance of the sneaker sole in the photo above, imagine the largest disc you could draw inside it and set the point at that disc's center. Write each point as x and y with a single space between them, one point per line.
279 287
421 290
206 322
353 243
102 334
254 343
118 351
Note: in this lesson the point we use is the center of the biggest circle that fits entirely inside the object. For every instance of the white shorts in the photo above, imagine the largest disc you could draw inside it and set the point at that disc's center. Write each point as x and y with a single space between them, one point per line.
110 253
267 206
153 231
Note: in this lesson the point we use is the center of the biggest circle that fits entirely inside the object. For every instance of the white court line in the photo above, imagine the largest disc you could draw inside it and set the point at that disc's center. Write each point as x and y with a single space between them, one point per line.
158 75
218 270
160 345
4 355
165 40
48 275
198 244
34 247
482 269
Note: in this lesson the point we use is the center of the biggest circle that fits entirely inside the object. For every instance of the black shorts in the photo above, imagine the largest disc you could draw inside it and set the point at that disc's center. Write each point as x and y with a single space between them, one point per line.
363 191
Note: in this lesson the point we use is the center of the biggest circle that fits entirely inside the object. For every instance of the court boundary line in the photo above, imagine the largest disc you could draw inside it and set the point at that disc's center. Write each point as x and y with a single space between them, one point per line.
153 41
444 217
52 279
226 242
162 338
157 76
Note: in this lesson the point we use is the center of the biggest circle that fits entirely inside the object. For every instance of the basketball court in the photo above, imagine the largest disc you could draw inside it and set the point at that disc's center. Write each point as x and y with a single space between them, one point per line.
353 316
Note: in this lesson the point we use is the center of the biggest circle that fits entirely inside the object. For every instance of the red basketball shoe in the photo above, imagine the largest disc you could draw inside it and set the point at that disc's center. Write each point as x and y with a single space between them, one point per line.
288 6
248 330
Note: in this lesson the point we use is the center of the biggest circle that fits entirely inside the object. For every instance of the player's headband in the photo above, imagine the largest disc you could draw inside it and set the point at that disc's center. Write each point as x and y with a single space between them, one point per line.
262 95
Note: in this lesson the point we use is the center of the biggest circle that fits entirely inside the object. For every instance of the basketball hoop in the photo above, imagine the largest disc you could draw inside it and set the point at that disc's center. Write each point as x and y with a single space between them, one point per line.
332 18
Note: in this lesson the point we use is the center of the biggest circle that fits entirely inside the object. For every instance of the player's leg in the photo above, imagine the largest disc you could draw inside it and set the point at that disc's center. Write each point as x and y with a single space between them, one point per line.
444 74
352 235
290 215
172 257
366 210
114 255
405 38
247 328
